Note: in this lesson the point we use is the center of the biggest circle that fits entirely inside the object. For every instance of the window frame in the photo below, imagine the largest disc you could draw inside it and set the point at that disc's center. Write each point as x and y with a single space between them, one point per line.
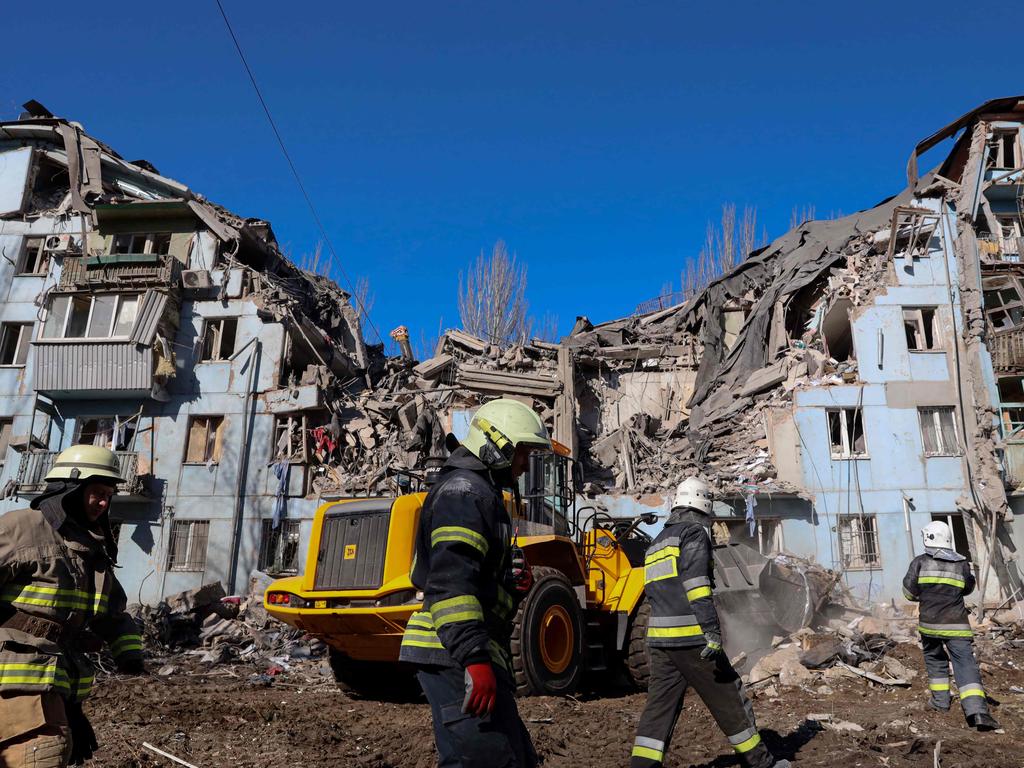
218 439
916 316
936 411
130 421
760 535
845 431
149 239
272 544
845 558
5 441
216 324
997 161
41 258
303 457
22 345
119 300
193 561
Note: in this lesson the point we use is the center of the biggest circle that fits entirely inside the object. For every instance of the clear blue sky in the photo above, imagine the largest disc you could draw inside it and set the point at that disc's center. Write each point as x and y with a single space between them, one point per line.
595 138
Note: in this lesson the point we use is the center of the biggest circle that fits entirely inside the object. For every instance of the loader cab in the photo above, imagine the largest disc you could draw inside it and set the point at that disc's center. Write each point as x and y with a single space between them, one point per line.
549 491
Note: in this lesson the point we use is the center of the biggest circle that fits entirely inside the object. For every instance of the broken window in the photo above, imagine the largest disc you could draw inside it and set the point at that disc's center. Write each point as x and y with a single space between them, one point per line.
858 542
956 525
34 259
1011 389
100 316
835 327
187 550
767 538
846 433
136 243
111 432
14 343
205 435
279 547
290 437
938 430
912 231
219 339
6 429
921 328
1012 421
1004 149
1003 304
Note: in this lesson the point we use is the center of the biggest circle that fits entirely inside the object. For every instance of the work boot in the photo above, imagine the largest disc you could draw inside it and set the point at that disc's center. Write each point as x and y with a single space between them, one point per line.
932 704
781 764
982 721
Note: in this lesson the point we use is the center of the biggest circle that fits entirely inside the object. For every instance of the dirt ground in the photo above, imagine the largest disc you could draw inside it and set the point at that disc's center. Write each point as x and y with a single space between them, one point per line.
219 717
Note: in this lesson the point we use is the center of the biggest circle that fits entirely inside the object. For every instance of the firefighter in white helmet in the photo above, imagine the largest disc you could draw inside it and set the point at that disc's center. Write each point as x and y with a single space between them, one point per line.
684 638
938 581
459 642
59 599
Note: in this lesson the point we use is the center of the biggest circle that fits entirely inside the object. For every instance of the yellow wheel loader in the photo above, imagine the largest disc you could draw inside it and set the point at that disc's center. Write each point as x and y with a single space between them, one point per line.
356 594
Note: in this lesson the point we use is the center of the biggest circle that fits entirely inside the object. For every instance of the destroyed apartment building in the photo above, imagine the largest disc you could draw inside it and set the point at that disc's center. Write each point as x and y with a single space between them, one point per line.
841 387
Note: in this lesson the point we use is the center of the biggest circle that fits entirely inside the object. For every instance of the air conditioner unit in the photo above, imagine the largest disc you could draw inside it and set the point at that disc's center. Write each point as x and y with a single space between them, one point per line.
58 243
196 278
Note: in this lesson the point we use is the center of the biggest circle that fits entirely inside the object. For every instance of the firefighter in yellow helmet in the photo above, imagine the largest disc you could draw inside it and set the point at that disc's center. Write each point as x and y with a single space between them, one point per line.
58 600
459 642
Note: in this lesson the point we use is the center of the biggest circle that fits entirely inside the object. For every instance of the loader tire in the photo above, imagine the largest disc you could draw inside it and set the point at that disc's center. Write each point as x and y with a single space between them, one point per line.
638 661
547 637
376 680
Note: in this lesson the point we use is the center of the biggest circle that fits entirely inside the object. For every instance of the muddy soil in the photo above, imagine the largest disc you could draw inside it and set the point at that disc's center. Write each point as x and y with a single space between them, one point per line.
218 717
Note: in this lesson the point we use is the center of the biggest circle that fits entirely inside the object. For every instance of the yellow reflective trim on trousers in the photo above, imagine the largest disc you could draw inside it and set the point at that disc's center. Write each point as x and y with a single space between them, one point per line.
458 534
749 744
938 686
648 753
698 593
973 690
125 643
945 632
690 631
940 580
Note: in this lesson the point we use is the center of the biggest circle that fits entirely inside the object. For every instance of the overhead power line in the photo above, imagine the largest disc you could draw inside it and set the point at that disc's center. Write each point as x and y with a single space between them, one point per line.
335 261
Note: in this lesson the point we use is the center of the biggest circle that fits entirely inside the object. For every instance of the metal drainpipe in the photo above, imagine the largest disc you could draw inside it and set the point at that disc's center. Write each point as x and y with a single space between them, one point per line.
249 413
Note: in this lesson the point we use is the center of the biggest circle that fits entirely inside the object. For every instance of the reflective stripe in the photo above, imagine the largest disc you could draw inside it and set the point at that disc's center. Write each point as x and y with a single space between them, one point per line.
83 688
749 744
909 595
643 741
461 608
666 568
671 621
125 643
660 553
945 630
458 535
497 655
971 690
421 639
674 631
54 597
941 580
700 581
648 753
742 736
698 593
31 674
658 546
505 604
938 684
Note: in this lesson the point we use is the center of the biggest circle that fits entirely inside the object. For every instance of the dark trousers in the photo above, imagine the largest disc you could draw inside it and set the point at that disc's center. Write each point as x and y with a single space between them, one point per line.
673 670
938 652
497 740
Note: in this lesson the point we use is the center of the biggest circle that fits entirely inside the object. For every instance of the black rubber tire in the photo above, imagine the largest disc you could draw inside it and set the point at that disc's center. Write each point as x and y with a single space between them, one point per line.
638 660
378 680
551 588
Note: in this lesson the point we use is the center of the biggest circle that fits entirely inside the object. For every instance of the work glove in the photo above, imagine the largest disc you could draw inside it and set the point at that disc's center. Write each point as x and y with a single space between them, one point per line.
83 737
522 574
713 647
481 689
131 665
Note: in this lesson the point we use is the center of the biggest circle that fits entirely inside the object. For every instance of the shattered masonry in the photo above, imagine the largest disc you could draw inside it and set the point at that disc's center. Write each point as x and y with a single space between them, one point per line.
841 387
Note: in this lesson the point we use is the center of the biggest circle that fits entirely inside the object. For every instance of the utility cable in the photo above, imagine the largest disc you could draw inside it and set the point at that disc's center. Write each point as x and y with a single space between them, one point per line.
335 261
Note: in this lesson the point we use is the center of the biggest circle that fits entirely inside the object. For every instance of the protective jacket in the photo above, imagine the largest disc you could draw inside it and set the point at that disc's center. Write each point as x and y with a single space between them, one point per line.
678 580
57 585
462 564
938 580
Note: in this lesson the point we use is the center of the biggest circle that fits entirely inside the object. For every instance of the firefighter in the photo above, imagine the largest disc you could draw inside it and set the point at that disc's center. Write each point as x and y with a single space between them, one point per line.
684 638
59 599
471 581
938 580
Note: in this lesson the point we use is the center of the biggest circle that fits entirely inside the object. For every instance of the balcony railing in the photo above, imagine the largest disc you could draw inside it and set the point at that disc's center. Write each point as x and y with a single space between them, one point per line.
123 269
35 464
1009 249
1007 350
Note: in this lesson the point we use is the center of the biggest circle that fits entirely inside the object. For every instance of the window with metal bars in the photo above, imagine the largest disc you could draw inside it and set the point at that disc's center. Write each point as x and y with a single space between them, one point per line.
858 542
187 550
938 431
279 547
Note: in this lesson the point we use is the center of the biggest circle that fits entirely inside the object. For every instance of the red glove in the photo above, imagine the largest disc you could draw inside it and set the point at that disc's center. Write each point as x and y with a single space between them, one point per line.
522 575
481 690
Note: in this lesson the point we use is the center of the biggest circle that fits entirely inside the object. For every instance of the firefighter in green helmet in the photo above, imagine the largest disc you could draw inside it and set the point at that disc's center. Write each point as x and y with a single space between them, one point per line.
59 599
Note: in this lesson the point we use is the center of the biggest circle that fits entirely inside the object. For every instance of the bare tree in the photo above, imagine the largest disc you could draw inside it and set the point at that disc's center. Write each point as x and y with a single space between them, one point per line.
799 215
363 298
725 240
492 298
546 329
725 245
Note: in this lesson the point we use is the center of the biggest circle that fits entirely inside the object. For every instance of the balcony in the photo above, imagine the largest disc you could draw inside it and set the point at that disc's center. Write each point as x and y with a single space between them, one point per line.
1005 249
120 270
1007 350
93 368
35 464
